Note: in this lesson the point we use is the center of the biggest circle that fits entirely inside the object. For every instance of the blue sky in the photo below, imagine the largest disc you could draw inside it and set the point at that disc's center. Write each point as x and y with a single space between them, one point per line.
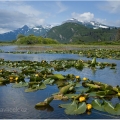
15 14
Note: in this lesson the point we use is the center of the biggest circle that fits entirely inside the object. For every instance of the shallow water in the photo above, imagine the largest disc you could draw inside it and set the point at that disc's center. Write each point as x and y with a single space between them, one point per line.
15 103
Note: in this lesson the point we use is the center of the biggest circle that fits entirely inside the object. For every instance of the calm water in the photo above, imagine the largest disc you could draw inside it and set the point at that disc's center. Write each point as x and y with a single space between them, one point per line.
15 103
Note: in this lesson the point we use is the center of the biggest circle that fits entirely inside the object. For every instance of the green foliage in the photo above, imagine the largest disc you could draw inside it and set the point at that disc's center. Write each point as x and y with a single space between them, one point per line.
20 36
118 35
79 34
74 108
31 39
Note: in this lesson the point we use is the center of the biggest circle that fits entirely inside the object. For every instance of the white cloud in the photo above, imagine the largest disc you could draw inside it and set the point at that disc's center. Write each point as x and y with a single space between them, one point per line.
87 16
104 21
16 14
61 7
3 30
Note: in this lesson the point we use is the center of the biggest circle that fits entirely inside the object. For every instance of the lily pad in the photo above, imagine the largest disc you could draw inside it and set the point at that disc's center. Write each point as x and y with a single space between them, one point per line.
97 105
82 90
60 97
36 87
65 89
31 89
74 108
117 109
56 76
41 86
78 85
65 105
108 107
71 95
46 107
45 102
20 84
48 81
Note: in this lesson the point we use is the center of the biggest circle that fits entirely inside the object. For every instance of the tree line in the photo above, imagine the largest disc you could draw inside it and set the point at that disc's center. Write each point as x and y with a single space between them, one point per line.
31 39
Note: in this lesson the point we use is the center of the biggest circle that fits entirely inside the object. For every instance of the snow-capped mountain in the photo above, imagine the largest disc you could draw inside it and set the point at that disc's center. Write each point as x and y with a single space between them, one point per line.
89 24
9 36
43 30
39 30
25 30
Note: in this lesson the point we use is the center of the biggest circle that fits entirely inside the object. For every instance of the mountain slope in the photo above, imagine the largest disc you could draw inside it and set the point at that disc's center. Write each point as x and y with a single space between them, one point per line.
38 30
73 32
9 36
65 32
69 31
89 24
25 30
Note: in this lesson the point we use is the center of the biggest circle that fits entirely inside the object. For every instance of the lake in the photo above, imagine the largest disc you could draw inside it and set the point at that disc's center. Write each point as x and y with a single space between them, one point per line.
16 104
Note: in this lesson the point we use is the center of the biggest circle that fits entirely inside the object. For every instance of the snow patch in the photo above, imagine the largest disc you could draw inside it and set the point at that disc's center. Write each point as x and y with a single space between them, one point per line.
101 26
92 23
36 28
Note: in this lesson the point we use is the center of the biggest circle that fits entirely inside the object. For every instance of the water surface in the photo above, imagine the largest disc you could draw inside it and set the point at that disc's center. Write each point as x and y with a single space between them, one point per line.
16 104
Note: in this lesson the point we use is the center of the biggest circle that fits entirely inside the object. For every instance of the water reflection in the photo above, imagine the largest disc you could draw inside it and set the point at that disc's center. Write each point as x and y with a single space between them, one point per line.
11 97
37 57
8 48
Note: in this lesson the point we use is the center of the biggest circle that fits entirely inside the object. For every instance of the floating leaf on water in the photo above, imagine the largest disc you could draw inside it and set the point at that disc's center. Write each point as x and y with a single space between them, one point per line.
65 89
55 93
108 107
71 95
41 104
2 80
93 63
60 83
101 93
92 94
97 105
49 99
45 102
65 105
82 90
78 85
76 108
92 85
41 86
31 89
47 81
60 97
20 84
51 81
1 83
79 66
117 109
71 88
46 107
56 76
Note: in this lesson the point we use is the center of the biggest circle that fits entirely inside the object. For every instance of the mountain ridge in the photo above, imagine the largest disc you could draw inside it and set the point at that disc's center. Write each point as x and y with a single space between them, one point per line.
78 33
44 30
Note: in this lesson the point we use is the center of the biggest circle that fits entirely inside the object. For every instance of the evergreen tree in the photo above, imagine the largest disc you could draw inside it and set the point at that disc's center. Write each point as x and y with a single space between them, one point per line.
118 35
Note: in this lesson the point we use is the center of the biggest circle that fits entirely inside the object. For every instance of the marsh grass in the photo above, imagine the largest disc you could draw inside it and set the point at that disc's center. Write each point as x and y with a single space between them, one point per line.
65 47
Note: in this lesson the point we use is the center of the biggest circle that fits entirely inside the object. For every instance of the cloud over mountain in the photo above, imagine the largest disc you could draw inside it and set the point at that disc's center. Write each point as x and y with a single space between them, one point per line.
18 14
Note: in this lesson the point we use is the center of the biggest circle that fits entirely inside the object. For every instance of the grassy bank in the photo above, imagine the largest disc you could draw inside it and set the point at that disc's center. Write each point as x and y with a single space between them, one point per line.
59 47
